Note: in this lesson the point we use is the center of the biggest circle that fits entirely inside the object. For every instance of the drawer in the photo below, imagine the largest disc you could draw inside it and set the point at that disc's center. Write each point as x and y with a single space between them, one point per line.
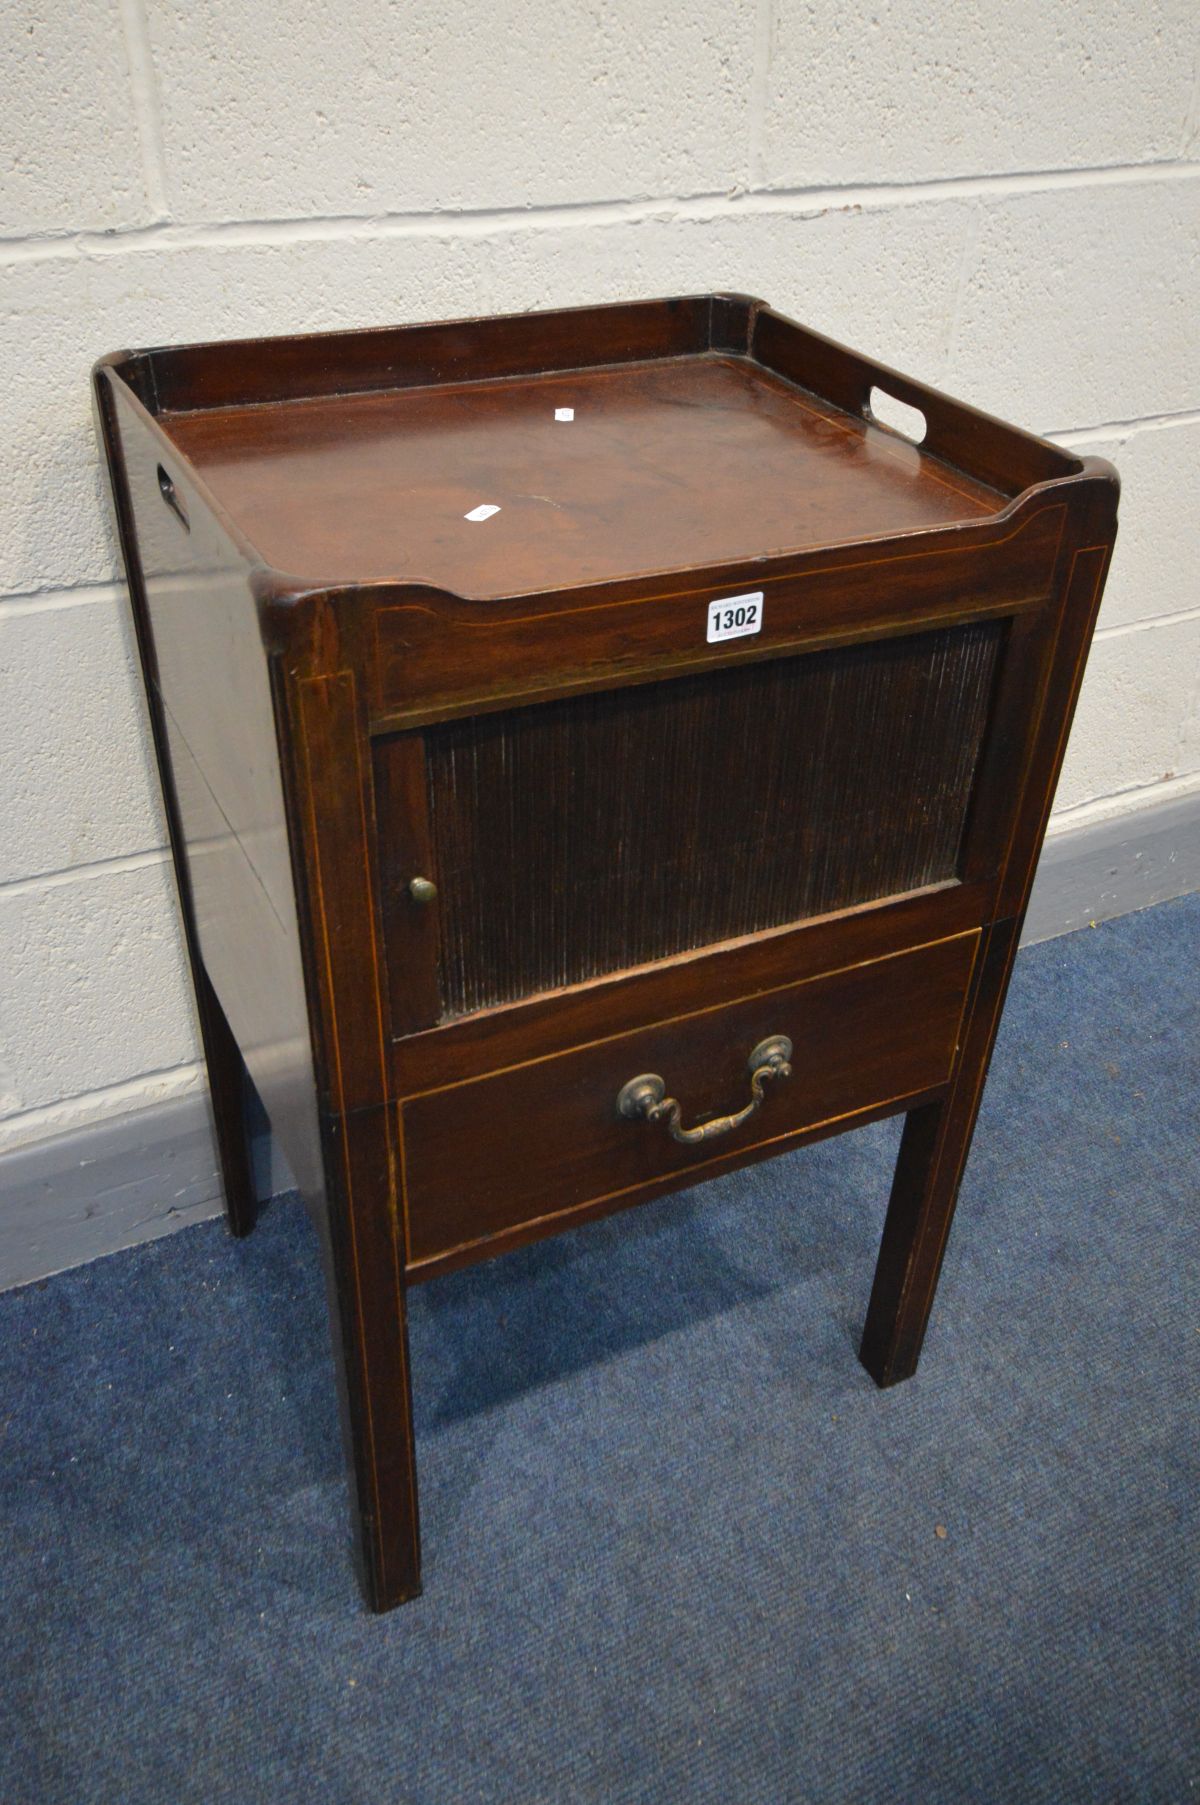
507 1150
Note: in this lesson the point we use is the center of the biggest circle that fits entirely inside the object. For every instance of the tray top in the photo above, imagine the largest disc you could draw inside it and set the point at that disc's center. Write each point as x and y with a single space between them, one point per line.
667 464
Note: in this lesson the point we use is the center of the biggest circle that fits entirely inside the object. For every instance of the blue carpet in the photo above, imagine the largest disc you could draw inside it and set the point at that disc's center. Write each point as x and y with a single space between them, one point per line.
678 1547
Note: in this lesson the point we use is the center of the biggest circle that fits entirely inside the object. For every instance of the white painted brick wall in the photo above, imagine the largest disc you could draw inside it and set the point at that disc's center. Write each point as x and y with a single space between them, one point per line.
71 156
916 90
100 994
278 110
79 784
1002 199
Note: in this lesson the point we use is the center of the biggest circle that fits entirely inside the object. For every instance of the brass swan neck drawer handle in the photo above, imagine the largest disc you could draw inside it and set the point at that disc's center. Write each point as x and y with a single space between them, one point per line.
645 1099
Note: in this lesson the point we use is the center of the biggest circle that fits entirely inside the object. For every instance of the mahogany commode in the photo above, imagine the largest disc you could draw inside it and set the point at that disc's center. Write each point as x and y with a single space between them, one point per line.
598 753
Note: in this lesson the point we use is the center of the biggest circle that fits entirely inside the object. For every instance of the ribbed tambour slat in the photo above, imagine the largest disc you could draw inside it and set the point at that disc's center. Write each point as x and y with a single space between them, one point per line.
584 836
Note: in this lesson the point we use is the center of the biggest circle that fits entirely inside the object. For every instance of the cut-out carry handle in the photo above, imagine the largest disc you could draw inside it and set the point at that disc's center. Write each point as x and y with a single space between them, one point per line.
908 421
171 496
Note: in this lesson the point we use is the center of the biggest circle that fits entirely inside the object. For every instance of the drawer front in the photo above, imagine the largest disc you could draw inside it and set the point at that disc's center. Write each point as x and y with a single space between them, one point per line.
506 1150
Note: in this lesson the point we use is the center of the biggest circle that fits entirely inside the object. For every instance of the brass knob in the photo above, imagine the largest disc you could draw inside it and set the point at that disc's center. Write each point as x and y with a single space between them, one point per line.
422 890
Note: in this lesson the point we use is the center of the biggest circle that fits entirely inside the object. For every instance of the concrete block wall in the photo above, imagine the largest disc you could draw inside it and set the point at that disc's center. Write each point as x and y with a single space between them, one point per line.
1004 200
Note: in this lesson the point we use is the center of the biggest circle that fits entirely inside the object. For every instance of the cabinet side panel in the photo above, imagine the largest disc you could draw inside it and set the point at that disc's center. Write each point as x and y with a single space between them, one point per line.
210 696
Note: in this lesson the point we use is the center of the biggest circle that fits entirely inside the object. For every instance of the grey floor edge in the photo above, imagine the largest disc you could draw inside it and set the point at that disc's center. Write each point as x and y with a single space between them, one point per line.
78 1196
1115 867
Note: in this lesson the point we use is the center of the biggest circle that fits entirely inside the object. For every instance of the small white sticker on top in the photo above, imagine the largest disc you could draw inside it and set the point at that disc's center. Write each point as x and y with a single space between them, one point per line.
735 616
484 511
564 413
